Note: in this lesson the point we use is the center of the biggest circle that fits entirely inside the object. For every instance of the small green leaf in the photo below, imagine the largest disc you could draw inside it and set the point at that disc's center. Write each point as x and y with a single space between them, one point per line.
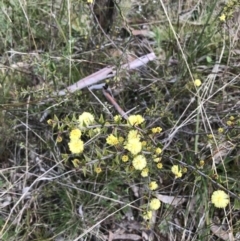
236 204
209 59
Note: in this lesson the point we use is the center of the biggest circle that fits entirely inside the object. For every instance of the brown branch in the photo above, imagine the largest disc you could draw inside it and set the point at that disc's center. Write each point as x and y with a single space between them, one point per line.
114 103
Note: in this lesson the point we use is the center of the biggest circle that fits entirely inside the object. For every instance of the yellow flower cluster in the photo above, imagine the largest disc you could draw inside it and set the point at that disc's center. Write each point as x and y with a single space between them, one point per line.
153 185
147 215
75 134
158 151
85 119
112 140
157 159
222 18
159 165
133 144
220 130
145 172
156 130
176 170
133 134
144 143
98 170
230 121
201 163
120 139
210 136
155 204
135 120
220 199
117 118
139 162
197 82
125 158
228 10
76 144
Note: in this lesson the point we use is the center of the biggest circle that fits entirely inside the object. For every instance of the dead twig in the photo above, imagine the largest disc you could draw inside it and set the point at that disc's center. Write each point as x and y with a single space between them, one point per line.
98 76
110 98
105 73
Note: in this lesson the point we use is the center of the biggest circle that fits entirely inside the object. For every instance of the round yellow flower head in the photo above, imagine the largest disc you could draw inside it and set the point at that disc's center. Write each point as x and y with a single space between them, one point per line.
220 199
144 143
147 215
85 119
156 130
210 136
220 130
157 159
134 146
158 151
120 139
135 120
159 165
155 204
159 129
75 134
145 172
133 134
231 118
117 118
98 170
153 185
176 171
201 163
112 140
139 162
222 18
125 158
197 82
229 123
76 146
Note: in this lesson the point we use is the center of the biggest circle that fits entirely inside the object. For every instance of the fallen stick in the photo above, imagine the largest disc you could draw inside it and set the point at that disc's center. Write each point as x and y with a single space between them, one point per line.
105 73
100 75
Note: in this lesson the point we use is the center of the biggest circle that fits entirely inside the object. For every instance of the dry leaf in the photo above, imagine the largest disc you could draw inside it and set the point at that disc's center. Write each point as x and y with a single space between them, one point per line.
175 201
143 32
222 151
5 201
125 236
224 235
